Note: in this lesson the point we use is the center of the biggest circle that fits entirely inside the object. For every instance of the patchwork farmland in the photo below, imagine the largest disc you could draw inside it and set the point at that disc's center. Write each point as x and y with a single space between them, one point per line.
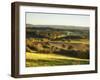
54 45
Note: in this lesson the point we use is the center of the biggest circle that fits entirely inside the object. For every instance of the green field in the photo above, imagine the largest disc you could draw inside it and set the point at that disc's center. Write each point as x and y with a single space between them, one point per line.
40 59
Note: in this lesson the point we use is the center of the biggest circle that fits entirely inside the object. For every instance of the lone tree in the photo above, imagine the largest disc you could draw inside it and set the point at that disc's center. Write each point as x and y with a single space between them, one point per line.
70 47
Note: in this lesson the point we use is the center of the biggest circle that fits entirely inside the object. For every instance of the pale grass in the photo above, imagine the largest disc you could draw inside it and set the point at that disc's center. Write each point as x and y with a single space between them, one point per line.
83 41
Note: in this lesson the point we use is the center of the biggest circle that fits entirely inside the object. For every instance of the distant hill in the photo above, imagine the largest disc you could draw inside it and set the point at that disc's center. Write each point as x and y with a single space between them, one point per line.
63 27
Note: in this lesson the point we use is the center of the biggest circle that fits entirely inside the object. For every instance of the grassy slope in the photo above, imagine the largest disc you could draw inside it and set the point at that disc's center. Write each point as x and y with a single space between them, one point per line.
40 59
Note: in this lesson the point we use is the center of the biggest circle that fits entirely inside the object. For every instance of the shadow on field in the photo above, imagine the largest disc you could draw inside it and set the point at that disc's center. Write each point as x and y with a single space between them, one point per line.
73 53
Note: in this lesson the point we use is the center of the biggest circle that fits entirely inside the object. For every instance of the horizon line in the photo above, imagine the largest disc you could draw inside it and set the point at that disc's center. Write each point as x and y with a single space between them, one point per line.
55 25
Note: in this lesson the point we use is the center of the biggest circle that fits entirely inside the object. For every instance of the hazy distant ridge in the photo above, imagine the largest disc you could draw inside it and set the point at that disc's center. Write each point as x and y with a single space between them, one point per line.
56 27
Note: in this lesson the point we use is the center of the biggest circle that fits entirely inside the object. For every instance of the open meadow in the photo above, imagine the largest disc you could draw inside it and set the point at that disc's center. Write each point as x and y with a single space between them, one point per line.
41 59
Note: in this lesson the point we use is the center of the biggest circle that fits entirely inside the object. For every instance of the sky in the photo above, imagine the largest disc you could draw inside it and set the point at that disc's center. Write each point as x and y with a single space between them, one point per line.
57 19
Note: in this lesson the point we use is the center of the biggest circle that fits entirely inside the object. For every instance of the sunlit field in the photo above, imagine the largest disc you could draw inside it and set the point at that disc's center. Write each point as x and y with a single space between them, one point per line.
40 59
